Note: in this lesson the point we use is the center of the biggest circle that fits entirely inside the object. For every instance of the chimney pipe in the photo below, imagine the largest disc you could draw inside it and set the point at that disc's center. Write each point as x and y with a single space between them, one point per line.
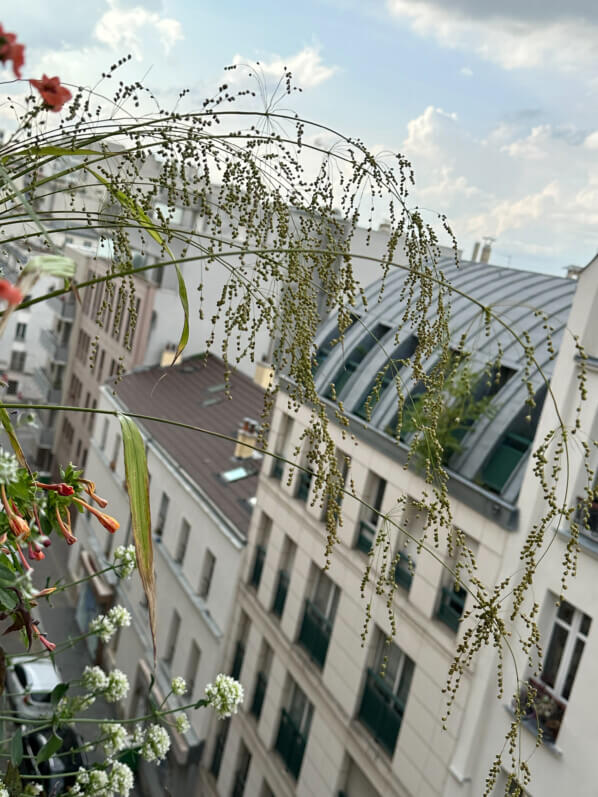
474 254
486 249
247 434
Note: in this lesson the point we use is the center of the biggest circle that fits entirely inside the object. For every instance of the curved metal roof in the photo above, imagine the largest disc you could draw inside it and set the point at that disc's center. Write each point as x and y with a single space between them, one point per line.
496 447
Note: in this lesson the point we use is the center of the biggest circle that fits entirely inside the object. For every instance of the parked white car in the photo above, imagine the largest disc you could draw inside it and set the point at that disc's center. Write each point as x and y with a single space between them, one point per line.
29 686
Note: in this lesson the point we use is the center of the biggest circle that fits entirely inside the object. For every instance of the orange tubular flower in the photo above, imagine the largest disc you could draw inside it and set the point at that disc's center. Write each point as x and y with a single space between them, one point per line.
24 561
45 642
65 529
45 592
90 489
18 525
35 551
107 522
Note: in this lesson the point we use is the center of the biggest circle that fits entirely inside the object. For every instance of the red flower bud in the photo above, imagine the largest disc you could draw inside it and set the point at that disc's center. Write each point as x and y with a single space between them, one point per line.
10 293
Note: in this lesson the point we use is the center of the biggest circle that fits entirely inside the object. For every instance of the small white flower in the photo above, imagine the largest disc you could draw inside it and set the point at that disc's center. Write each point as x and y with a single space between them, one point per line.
121 779
182 723
117 737
225 695
178 685
9 472
156 744
103 627
33 789
118 686
138 735
3 790
119 617
125 560
94 679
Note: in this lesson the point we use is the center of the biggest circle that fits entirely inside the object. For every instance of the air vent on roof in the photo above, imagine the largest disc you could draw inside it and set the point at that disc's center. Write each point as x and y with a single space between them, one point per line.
216 388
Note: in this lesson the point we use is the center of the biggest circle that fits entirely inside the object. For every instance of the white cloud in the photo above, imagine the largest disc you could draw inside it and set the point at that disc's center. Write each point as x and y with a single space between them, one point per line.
512 34
466 71
307 67
120 28
533 188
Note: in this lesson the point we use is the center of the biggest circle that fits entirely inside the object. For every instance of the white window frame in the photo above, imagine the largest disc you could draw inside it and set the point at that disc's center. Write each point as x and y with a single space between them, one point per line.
573 634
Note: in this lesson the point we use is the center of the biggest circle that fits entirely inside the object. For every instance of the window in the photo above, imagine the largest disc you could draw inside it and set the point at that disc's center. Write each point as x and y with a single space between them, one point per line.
243 762
240 645
219 746
377 386
12 387
115 452
205 582
414 521
284 576
181 547
17 360
162 512
331 340
368 525
20 331
172 637
318 618
192 668
452 595
569 634
104 436
260 550
236 474
357 355
293 731
92 416
304 478
282 441
101 364
261 680
385 693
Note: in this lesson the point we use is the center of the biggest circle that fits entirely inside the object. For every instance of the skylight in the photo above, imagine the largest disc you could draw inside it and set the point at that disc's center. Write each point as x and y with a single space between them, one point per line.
236 474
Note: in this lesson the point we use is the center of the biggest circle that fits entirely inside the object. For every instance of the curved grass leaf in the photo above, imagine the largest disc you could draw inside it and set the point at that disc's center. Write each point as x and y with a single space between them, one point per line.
53 151
10 431
138 490
138 213
52 746
16 747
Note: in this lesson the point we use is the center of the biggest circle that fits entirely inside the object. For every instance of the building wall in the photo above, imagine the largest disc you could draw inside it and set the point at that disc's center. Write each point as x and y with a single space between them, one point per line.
422 757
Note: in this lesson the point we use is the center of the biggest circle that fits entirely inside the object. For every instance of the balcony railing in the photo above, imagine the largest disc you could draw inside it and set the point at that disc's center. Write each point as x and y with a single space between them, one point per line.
277 470
586 518
258 566
52 391
58 351
403 576
239 784
261 682
381 711
280 595
238 660
303 486
315 633
546 711
290 743
366 536
452 603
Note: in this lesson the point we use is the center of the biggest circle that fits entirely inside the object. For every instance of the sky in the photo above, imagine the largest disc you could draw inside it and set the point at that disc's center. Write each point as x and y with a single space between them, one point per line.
495 104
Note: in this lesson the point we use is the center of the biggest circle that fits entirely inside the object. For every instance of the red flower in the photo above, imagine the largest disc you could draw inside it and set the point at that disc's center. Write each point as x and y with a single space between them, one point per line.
107 521
53 94
11 51
10 292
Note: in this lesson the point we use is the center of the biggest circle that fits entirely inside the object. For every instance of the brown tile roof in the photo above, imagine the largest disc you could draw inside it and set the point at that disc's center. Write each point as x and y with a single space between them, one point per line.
190 393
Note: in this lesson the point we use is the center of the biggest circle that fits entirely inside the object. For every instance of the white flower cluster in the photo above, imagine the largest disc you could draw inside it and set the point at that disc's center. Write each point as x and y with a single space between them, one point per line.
113 686
225 695
116 738
103 783
32 790
68 707
181 723
9 472
105 625
178 686
3 790
156 744
126 560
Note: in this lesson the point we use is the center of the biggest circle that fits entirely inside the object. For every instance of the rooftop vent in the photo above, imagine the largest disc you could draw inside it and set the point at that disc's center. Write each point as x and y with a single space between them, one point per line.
168 355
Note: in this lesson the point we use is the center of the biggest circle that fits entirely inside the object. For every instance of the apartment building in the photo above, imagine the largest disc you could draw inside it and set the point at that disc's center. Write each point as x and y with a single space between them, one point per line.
202 492
564 678
319 716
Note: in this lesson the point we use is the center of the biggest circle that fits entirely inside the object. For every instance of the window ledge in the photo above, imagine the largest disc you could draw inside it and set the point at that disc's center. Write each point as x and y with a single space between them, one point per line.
532 728
586 543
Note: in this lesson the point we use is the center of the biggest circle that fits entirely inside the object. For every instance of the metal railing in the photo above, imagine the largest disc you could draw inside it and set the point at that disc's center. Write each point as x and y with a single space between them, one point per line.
315 633
290 743
452 603
64 308
57 350
52 391
381 711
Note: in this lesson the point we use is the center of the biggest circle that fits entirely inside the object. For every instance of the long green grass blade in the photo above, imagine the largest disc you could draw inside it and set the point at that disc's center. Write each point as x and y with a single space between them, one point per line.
138 490
12 436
